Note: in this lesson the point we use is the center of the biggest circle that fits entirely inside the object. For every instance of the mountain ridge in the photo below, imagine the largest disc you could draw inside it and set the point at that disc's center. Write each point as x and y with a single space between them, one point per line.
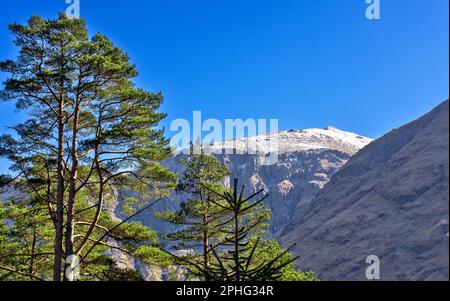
395 186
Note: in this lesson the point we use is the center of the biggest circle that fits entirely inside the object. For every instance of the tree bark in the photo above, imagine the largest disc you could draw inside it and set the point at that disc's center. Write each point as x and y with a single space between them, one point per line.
72 189
59 199
33 250
59 231
205 242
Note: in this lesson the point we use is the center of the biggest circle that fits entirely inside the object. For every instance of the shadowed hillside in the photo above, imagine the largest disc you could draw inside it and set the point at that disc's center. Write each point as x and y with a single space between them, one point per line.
390 200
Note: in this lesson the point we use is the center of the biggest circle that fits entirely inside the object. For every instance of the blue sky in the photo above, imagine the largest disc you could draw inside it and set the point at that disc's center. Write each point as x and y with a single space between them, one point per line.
309 63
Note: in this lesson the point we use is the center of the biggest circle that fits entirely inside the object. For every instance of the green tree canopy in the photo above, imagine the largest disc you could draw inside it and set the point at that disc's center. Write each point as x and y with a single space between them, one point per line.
91 132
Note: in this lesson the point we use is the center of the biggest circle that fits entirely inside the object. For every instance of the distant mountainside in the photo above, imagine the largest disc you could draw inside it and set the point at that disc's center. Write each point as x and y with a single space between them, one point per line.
307 160
390 200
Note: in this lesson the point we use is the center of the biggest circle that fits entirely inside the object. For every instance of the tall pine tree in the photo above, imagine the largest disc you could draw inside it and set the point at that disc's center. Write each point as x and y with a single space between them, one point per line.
95 132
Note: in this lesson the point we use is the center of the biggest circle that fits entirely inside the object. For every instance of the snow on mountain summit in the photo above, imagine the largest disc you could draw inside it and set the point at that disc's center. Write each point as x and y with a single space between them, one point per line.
299 140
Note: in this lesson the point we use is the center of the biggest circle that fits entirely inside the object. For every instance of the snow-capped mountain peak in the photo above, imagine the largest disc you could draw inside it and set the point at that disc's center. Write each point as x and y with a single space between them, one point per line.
298 140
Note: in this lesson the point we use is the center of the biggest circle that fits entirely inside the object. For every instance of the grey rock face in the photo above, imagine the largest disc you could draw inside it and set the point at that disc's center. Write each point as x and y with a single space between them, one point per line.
390 200
307 160
291 183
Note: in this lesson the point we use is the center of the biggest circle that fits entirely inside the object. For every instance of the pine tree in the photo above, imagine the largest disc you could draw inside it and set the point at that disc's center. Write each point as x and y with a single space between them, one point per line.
91 132
198 218
269 249
245 255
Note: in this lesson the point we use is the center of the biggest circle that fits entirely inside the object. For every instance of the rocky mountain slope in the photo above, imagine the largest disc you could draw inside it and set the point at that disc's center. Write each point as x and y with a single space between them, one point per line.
390 200
306 161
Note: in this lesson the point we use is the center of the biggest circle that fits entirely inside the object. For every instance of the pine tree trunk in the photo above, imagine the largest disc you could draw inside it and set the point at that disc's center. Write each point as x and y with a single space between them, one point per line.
33 250
205 242
72 189
59 199
236 233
